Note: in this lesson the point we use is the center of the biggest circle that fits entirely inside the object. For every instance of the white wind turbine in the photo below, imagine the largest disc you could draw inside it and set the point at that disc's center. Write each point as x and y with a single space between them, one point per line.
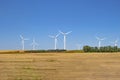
56 39
34 44
78 46
115 42
99 41
23 42
65 34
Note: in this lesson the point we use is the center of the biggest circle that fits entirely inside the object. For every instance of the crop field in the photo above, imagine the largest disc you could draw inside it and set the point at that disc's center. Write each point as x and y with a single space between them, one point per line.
60 66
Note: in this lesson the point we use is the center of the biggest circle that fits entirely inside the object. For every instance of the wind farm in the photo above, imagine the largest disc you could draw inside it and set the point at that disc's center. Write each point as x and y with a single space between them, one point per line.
82 63
58 63
59 40
99 48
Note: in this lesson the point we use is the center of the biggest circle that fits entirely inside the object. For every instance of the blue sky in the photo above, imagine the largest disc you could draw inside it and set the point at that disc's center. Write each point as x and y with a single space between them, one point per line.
40 18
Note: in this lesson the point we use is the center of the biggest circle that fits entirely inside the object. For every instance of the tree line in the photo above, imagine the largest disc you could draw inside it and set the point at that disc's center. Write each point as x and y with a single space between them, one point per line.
101 49
44 51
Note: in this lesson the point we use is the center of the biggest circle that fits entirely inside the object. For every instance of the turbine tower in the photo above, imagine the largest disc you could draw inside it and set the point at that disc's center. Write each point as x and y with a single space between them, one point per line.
99 41
65 34
23 42
34 44
56 39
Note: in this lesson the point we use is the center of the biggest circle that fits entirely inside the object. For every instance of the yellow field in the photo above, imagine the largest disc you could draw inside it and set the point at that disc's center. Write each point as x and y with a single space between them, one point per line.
60 66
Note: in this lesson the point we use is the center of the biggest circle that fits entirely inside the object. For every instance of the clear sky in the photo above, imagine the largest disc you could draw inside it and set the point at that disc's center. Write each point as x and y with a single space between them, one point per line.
40 18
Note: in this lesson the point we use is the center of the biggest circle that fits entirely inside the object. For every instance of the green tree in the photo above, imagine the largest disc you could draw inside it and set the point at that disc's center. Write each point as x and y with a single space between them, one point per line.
87 48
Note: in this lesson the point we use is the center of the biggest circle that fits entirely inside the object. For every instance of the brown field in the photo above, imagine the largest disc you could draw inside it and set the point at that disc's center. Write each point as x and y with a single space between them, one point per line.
60 66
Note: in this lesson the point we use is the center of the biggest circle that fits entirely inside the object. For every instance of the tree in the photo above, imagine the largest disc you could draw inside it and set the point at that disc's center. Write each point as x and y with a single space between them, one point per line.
86 48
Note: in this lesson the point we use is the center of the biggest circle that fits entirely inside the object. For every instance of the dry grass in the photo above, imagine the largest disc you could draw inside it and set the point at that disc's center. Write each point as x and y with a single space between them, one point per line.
62 66
10 51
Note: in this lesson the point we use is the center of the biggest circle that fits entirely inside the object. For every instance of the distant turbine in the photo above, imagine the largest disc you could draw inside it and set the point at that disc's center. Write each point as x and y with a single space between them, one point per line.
34 44
23 42
55 37
115 42
99 41
78 46
65 34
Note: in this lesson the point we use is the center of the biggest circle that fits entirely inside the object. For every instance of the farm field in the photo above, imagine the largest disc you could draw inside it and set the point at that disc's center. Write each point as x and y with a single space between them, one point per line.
60 66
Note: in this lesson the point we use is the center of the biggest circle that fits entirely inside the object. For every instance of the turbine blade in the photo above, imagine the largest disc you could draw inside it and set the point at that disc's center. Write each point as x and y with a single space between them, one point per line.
21 36
34 43
69 32
61 32
57 35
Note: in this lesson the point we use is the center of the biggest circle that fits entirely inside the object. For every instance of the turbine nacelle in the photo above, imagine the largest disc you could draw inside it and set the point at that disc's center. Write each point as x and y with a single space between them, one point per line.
22 38
100 39
65 33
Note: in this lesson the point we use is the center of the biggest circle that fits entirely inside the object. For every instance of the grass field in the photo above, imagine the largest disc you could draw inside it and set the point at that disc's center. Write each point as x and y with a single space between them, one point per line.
60 66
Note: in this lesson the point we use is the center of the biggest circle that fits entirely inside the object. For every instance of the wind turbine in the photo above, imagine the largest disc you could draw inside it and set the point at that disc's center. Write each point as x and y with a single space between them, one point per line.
99 41
55 37
23 42
65 34
115 42
34 44
78 46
